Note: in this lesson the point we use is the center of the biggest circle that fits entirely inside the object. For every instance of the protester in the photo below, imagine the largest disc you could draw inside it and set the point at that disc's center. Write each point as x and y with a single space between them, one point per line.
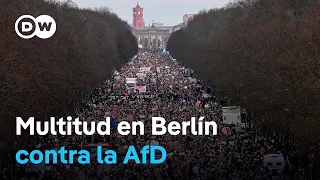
164 88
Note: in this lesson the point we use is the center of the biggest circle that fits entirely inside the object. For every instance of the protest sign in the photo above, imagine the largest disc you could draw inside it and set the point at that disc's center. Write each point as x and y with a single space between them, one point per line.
131 80
141 75
192 80
140 89
154 107
144 69
142 116
116 77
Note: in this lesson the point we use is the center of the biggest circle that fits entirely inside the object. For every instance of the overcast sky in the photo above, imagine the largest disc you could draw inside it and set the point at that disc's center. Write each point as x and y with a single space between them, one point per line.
169 12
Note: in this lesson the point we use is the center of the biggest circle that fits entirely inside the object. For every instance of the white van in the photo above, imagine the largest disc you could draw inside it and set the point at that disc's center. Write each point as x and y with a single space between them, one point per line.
274 161
231 115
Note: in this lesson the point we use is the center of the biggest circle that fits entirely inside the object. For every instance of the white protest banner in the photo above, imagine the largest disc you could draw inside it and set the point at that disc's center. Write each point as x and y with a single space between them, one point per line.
116 77
141 75
145 69
140 89
142 116
155 107
205 95
131 80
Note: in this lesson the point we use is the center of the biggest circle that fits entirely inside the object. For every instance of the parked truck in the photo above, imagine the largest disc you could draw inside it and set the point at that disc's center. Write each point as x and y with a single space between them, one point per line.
232 115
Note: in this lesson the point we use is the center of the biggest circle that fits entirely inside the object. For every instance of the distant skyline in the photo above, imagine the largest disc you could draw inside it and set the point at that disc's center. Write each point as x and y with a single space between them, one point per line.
168 12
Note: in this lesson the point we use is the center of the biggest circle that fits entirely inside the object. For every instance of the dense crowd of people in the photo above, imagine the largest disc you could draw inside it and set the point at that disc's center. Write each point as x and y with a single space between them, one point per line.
164 88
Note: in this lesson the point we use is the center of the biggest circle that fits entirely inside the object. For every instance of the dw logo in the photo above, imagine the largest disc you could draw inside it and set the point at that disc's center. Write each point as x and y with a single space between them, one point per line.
43 26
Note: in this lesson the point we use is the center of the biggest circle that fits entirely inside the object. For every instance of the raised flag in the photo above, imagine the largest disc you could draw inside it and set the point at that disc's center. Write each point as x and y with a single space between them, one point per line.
113 124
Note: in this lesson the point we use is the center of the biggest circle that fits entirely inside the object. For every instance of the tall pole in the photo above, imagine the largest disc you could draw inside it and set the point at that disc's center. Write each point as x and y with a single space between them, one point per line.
0 164
156 72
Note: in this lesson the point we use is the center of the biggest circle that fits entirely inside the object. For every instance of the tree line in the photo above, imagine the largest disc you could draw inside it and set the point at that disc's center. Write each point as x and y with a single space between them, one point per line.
265 56
44 78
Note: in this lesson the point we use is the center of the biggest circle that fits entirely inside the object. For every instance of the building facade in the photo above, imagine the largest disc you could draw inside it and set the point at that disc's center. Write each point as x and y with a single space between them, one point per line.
155 35
152 36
